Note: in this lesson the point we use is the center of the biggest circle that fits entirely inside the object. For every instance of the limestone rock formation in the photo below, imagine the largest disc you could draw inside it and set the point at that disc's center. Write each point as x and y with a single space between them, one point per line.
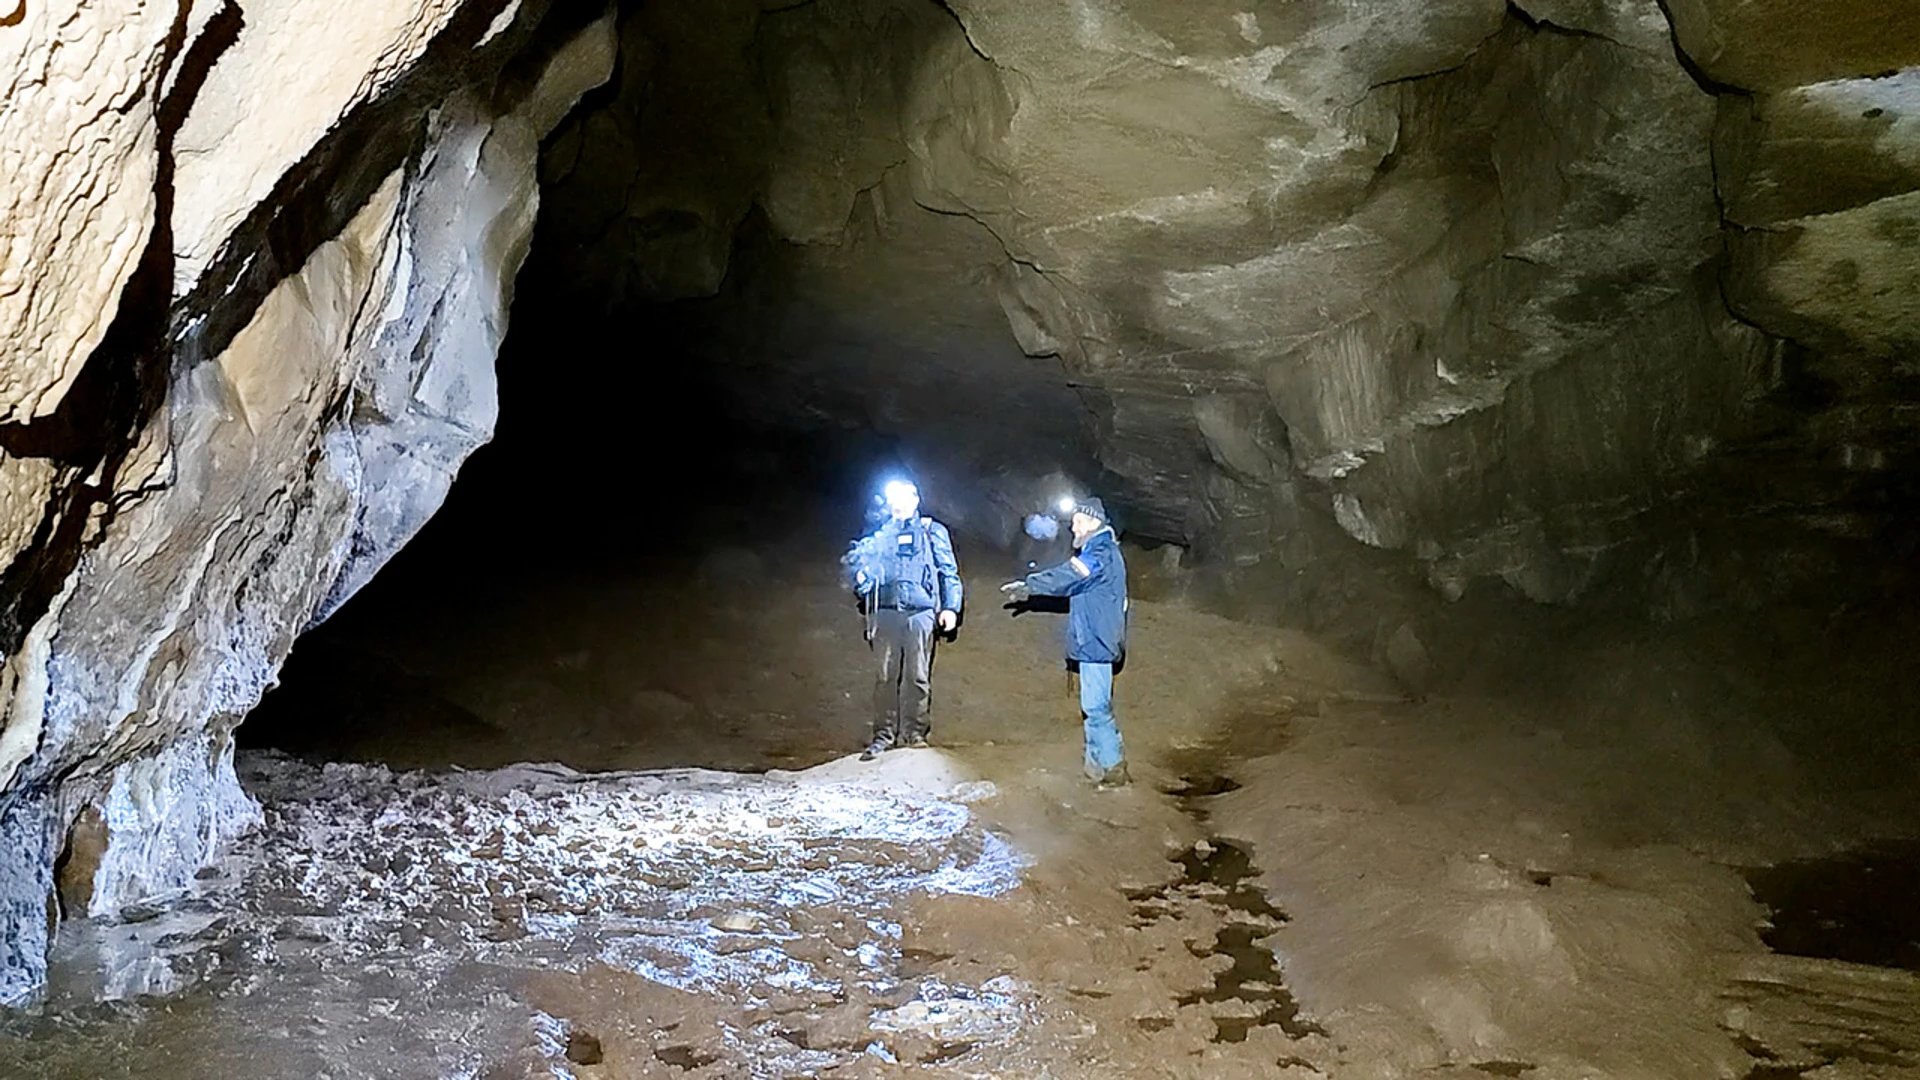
241 459
77 128
1514 291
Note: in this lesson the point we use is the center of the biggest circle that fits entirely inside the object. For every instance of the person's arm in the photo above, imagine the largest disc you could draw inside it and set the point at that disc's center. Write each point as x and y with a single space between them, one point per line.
862 565
952 591
1070 577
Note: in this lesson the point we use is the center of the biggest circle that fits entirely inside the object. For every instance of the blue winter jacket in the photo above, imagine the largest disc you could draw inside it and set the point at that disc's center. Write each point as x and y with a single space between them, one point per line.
907 565
1095 584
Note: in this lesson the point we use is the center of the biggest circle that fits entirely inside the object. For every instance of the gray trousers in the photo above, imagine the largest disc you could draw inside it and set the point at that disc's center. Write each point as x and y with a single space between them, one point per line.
903 656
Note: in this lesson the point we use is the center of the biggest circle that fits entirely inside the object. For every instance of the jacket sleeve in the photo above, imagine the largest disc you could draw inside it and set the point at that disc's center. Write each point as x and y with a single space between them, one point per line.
1070 577
952 592
862 564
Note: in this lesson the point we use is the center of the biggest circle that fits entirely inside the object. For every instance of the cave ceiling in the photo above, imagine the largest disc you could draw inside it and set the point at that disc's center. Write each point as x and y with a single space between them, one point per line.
1484 284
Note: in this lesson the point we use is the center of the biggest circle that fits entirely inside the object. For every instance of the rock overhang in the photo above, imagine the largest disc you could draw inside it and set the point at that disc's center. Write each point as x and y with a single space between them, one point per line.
1454 280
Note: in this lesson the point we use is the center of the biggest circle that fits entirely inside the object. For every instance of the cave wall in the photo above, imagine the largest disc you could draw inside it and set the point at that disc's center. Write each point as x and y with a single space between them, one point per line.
1530 293
774 233
273 391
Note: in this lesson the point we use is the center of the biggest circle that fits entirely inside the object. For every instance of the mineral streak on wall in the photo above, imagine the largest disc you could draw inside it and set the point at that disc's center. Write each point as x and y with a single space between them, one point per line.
1607 301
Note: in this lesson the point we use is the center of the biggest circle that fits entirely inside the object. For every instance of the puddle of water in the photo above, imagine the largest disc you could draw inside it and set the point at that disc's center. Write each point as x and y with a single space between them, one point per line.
1198 784
1229 865
584 1049
1201 786
1221 874
1862 906
1255 976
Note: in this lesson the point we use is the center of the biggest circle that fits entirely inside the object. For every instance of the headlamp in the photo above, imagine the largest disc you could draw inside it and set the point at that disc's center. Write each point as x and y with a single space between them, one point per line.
902 498
1065 505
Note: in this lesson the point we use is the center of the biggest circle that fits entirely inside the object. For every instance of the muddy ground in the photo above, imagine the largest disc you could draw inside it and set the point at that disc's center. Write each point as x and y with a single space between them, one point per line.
1541 874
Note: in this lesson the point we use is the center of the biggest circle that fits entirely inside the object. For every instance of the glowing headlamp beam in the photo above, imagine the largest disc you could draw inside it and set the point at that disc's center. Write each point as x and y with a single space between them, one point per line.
901 497
1066 504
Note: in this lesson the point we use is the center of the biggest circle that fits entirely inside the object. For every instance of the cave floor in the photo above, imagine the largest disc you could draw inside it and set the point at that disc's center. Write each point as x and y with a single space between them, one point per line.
1313 875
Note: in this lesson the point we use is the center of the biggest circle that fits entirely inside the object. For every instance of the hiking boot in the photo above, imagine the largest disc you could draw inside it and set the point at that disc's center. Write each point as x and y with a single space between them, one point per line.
1115 777
875 749
915 742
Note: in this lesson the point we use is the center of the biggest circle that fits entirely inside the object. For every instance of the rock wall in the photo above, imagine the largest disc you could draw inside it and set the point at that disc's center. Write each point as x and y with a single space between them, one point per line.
294 361
762 158
1549 294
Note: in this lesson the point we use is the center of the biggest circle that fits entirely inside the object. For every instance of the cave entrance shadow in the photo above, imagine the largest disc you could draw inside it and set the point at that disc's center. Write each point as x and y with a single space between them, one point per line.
705 628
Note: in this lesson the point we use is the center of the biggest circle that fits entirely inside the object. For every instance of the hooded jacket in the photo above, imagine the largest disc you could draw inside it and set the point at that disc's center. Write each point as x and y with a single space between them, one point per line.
1094 582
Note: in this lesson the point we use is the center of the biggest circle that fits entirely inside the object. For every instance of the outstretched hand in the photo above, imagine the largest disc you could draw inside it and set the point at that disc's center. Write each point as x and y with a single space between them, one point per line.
1017 591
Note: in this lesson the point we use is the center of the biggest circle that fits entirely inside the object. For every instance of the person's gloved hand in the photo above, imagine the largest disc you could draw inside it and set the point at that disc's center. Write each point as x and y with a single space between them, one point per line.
947 621
1017 591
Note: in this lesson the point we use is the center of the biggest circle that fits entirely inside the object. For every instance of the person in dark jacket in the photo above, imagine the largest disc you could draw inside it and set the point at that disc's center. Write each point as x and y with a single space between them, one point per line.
1094 581
909 584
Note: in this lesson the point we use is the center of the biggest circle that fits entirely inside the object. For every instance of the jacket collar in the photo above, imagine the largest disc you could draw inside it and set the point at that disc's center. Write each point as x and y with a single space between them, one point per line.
1104 530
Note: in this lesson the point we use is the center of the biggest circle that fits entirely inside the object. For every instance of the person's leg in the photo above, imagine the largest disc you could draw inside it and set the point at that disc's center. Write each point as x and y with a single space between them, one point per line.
1087 767
1104 751
915 677
888 633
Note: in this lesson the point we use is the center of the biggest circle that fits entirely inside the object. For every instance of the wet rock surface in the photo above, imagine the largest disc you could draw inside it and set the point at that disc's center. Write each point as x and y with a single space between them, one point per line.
386 924
1843 995
1313 874
278 404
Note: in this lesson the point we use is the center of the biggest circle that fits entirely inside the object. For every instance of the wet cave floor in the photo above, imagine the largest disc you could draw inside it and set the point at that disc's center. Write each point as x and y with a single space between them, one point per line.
605 826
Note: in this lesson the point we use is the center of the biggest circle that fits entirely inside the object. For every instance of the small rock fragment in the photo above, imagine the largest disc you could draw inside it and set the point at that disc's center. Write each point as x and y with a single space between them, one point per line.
973 791
737 922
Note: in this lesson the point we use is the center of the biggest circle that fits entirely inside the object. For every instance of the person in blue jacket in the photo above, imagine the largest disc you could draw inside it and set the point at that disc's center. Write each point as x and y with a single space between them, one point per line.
909 584
1094 581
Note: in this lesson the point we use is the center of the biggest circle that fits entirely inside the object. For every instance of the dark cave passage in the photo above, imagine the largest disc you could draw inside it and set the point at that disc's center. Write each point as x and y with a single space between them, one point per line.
697 409
604 564
642 569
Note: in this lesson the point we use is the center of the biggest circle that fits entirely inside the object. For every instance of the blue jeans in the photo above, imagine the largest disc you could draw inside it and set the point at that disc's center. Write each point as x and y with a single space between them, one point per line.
1096 702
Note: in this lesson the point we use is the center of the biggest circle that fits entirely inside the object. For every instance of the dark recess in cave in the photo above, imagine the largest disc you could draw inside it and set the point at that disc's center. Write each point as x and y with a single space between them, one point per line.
616 460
